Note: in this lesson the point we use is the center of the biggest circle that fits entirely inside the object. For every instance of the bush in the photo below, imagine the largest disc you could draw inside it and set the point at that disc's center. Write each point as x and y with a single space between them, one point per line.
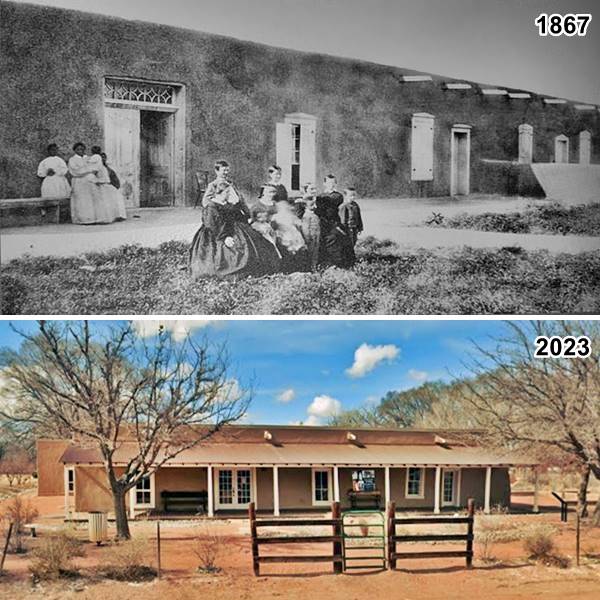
127 562
208 548
19 513
540 547
53 558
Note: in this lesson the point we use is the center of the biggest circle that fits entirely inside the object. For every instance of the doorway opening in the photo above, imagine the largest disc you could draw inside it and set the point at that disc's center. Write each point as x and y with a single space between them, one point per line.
561 149
156 158
460 158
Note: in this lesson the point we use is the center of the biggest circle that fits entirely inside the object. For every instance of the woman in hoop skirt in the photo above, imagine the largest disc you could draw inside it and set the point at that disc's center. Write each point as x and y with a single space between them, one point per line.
226 245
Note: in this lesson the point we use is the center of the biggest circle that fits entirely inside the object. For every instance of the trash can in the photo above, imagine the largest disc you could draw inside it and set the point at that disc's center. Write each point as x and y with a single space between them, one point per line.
97 525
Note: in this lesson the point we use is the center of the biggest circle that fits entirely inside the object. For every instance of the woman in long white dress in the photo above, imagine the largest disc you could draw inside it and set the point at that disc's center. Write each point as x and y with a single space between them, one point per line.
84 189
112 192
104 204
53 170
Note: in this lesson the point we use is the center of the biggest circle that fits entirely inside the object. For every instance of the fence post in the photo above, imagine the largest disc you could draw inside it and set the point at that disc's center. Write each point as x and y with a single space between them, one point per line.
252 518
577 534
5 550
337 532
158 565
471 514
391 532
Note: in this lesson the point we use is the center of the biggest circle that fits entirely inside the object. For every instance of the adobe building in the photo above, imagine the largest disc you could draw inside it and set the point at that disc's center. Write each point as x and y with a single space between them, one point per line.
290 469
166 102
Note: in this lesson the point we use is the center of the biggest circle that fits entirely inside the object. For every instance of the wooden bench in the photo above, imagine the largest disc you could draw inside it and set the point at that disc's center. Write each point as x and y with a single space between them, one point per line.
372 499
198 501
13 211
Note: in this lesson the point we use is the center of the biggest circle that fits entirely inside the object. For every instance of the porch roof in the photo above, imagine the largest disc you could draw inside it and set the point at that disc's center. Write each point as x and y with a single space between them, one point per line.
297 455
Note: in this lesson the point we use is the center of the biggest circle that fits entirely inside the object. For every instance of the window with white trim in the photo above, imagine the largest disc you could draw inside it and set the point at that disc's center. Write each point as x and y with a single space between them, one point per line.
415 482
71 481
143 491
321 485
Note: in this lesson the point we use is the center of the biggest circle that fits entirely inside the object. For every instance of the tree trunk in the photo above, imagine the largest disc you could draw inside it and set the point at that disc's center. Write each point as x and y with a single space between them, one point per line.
121 514
582 492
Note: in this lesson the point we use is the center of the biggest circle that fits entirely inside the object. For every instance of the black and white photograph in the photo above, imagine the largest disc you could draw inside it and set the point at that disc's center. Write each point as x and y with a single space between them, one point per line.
300 157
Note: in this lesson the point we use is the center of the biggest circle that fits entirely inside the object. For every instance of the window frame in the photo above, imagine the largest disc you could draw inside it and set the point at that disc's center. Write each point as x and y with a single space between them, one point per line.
314 472
71 481
151 491
421 494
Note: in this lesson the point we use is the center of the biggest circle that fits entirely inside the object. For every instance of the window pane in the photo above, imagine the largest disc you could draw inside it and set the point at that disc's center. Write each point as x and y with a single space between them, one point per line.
414 481
321 486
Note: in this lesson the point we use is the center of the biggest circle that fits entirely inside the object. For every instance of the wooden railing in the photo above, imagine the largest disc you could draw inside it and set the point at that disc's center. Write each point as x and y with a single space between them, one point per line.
335 539
394 539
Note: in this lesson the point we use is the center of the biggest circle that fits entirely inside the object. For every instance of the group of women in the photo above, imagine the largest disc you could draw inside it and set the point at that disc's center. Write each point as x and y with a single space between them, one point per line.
272 235
94 187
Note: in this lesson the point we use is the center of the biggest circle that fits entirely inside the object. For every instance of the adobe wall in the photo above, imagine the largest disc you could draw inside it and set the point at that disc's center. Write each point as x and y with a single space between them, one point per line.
92 491
51 478
179 479
53 62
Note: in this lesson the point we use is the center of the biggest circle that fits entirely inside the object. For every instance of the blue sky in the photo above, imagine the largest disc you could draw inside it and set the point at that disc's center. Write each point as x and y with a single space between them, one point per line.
312 359
487 41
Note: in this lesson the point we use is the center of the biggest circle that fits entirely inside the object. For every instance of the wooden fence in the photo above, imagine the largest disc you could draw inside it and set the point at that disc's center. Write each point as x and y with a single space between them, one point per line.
394 539
335 539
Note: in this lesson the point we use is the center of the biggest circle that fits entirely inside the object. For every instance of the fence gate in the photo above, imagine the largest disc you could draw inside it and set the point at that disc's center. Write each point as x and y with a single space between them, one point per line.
363 540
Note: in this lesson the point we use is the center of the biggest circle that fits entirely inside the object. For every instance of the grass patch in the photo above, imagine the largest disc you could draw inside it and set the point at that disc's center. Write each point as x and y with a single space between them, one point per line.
385 280
551 218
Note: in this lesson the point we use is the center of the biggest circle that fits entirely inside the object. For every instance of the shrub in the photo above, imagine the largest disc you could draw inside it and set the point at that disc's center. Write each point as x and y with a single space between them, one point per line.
208 548
19 513
127 562
540 547
53 558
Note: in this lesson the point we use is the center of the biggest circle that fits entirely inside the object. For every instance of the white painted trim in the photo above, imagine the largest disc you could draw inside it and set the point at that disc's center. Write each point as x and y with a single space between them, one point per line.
211 491
459 128
554 101
518 95
459 487
312 479
421 494
455 488
408 78
387 490
458 86
276 491
488 489
234 505
493 92
336 484
66 492
152 503
437 490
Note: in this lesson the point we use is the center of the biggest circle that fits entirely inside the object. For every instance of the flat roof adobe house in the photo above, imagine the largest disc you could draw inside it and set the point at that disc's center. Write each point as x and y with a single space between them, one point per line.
287 469
165 102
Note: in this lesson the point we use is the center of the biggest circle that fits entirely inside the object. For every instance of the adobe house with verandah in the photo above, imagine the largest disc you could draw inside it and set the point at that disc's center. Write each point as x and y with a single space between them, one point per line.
292 469
165 102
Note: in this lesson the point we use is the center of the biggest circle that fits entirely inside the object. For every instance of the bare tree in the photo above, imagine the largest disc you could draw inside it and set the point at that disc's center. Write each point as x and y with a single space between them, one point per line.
531 403
16 465
104 385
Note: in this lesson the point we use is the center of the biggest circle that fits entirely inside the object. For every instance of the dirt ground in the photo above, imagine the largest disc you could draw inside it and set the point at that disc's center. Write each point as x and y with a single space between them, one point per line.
509 576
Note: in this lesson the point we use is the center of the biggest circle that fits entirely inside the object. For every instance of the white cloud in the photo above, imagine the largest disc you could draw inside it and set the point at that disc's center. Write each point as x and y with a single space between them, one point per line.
178 329
418 375
321 407
367 357
372 400
286 396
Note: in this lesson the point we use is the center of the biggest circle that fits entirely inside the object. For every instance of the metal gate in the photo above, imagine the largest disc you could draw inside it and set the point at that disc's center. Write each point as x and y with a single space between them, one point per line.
363 540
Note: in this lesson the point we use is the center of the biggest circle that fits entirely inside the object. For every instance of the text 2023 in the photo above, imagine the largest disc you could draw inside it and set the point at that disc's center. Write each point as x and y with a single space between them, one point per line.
562 347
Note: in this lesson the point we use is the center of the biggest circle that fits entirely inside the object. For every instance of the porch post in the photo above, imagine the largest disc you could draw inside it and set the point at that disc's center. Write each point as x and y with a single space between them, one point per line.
276 491
536 491
336 485
436 494
211 499
387 486
488 489
132 503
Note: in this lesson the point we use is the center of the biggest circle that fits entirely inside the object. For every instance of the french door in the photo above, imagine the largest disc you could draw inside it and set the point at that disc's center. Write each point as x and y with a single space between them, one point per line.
234 488
450 483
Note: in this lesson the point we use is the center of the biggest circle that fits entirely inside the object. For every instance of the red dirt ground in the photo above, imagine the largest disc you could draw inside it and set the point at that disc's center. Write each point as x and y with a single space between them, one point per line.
511 577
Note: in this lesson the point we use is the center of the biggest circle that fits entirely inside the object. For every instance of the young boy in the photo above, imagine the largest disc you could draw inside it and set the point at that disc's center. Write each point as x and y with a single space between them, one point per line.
350 216
311 224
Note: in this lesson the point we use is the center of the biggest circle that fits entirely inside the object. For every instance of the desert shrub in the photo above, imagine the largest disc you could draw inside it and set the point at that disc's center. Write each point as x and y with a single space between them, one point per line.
54 557
19 512
541 548
208 548
128 562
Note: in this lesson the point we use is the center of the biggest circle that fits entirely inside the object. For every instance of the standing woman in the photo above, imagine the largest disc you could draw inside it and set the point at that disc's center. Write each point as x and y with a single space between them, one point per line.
83 187
275 180
226 245
53 169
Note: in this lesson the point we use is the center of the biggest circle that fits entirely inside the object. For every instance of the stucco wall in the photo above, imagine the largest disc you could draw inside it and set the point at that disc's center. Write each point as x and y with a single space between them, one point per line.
51 480
179 479
295 488
264 488
92 491
53 62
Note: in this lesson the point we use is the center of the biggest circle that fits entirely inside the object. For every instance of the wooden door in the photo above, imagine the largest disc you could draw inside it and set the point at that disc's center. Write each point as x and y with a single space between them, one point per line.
122 147
157 158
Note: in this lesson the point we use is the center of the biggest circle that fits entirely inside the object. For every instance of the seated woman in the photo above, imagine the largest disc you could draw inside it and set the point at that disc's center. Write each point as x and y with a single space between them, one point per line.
111 192
226 245
53 169
84 190
287 231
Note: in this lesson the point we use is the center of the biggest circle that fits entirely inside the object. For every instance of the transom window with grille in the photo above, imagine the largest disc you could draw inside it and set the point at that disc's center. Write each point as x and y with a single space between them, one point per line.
414 482
138 91
321 486
295 156
143 491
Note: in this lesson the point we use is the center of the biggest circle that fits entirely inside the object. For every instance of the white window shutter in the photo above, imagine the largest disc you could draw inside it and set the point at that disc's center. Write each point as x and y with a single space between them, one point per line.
283 152
421 167
308 159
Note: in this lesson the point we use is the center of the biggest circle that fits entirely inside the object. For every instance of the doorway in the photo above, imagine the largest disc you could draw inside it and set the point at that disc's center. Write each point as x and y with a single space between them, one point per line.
561 149
235 488
460 158
450 487
156 158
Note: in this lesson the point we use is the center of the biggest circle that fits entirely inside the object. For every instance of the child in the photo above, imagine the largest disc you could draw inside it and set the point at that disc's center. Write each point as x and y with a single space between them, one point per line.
350 216
261 214
311 224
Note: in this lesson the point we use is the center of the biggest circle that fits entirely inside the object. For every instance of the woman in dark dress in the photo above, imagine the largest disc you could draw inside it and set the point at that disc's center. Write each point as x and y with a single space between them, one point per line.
226 245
